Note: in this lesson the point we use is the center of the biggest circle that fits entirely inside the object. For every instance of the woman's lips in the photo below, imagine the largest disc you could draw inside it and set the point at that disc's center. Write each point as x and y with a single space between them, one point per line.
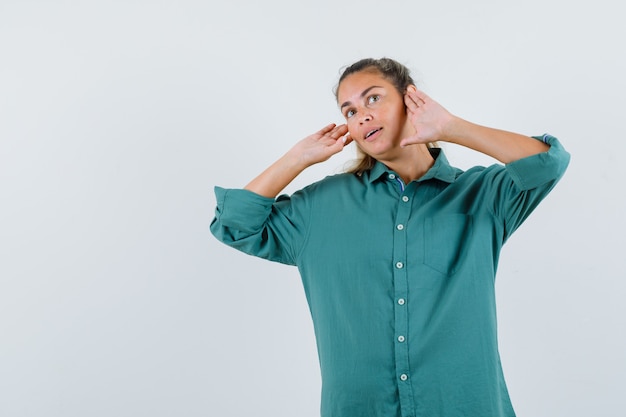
373 134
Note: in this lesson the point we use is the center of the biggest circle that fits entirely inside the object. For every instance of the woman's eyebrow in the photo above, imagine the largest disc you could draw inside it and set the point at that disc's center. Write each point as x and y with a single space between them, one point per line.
367 90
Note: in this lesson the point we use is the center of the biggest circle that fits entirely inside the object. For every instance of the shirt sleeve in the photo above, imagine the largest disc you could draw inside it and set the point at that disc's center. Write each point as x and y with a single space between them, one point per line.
260 226
527 181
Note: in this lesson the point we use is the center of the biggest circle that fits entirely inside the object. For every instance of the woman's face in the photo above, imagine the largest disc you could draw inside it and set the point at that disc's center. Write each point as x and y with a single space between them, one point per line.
375 113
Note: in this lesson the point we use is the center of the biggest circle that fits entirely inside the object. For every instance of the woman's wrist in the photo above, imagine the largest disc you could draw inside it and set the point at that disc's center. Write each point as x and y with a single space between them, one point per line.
456 131
294 161
502 145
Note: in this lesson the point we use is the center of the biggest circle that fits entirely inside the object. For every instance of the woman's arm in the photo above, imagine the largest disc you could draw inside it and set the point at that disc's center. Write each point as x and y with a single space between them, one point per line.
434 123
505 146
315 148
253 221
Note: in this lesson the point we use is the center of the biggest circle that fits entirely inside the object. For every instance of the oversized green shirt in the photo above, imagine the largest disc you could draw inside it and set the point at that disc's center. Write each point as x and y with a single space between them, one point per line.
399 278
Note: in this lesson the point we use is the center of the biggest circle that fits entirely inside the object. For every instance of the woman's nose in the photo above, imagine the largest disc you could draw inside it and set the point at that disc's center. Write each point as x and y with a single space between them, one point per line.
366 117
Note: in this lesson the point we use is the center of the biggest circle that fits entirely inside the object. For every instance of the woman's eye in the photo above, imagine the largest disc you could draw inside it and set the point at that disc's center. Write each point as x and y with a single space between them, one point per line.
373 99
349 113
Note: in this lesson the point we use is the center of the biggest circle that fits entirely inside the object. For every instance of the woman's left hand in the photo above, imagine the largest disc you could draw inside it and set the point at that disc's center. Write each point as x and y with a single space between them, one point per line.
429 118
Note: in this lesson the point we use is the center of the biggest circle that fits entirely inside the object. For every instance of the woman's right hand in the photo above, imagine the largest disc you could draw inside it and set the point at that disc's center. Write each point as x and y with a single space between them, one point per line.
320 146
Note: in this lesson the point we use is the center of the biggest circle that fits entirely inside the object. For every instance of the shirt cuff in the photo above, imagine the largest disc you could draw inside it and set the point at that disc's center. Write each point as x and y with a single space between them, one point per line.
537 170
241 209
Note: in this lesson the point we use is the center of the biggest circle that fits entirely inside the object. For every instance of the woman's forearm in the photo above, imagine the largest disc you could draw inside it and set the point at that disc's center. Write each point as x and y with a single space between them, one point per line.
311 150
504 146
276 177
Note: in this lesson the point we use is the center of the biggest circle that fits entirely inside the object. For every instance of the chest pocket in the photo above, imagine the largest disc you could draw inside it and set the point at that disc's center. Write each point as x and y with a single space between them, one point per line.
446 242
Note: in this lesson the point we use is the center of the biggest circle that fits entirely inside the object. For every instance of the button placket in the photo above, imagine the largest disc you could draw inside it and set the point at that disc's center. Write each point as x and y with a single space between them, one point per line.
401 282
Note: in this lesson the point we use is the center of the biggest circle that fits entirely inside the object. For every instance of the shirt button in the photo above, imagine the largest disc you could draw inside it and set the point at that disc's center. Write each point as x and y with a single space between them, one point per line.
400 227
400 339
405 198
392 177
401 301
404 377
399 265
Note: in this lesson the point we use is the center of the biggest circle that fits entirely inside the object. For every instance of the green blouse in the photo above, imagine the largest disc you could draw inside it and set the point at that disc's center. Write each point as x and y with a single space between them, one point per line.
399 278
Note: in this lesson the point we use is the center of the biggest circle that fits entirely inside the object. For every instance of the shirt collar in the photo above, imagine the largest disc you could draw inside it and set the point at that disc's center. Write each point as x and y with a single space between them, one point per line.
441 169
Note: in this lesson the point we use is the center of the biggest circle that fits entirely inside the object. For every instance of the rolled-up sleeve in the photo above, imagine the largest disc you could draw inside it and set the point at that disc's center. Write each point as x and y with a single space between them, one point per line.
537 170
526 182
260 226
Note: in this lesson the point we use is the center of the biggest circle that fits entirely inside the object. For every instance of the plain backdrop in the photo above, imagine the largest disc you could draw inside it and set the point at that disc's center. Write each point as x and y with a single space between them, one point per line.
117 119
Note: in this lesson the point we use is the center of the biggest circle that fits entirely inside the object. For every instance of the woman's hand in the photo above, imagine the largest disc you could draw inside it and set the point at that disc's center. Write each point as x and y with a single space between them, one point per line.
429 118
320 146
433 123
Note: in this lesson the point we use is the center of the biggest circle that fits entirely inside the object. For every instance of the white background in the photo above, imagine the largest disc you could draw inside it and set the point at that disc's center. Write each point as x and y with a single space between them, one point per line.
117 118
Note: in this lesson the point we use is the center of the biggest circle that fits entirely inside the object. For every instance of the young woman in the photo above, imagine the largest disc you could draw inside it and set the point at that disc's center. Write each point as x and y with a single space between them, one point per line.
398 257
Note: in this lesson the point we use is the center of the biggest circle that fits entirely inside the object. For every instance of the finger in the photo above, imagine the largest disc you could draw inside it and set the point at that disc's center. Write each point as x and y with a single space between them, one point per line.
422 96
326 129
410 102
418 96
341 143
411 99
338 131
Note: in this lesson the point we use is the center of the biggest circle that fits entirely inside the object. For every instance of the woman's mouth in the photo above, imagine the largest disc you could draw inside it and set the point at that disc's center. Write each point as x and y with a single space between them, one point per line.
372 134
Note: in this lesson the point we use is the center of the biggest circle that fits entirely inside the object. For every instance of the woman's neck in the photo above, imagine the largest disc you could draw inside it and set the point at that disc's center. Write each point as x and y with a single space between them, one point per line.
411 163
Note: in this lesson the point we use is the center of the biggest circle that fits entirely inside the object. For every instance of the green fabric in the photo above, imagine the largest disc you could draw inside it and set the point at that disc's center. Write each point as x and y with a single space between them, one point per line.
399 280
